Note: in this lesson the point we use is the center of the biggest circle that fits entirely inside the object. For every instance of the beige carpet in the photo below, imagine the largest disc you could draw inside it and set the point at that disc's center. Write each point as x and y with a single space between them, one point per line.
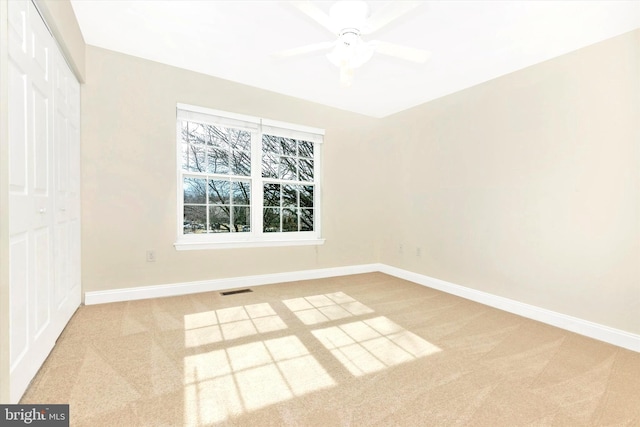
365 350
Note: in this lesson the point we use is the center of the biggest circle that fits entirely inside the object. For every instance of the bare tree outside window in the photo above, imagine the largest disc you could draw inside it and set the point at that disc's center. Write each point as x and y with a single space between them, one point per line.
220 202
287 207
245 180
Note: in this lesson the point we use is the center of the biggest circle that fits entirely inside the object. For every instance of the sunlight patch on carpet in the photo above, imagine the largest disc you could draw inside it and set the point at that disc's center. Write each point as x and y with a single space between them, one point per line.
371 345
230 323
324 308
224 381
229 382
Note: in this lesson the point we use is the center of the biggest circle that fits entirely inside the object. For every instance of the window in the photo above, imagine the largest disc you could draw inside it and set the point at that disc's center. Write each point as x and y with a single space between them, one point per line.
245 181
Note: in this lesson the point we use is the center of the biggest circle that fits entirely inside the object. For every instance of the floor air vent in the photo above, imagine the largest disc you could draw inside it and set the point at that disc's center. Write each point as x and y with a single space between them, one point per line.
239 291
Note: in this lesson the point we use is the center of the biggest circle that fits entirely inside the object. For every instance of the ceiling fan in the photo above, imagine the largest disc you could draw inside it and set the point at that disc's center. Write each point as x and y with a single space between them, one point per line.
349 20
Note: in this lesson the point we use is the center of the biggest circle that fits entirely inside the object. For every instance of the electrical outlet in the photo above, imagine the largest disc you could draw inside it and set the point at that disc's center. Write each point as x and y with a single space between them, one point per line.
151 256
400 249
418 252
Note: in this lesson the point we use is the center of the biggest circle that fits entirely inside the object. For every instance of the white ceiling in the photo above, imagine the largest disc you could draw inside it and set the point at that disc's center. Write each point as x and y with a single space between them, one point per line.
470 41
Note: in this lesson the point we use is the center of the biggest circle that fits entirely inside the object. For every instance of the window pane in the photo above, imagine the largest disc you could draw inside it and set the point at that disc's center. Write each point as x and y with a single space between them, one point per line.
306 170
195 190
269 165
288 168
196 133
288 146
306 219
219 192
195 158
306 196
239 139
305 149
241 163
218 136
194 219
272 194
219 219
241 219
289 220
270 144
185 157
218 160
241 193
271 220
290 196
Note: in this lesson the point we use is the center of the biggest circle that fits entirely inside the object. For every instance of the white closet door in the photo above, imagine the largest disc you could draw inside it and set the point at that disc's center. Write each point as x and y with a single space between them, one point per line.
66 155
41 300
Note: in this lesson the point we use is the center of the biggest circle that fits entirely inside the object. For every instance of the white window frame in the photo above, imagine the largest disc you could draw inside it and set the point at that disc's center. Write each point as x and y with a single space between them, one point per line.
256 237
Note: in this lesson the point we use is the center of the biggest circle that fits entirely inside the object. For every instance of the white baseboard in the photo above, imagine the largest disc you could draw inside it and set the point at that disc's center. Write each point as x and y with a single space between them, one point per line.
589 329
597 331
175 289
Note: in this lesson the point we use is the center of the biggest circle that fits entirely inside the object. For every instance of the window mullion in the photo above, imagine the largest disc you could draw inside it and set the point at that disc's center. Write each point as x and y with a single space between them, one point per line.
180 184
287 181
298 209
256 183
281 208
232 172
317 168
206 204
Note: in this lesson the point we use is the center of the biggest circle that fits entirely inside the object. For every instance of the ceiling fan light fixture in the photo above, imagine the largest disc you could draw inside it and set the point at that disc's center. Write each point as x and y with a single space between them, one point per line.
350 51
346 76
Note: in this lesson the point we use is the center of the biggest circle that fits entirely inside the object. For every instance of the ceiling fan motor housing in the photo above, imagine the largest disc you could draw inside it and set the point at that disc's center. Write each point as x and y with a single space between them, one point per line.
349 36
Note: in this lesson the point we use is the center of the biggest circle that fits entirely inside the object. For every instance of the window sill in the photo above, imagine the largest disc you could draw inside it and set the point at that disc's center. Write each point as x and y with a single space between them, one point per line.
195 245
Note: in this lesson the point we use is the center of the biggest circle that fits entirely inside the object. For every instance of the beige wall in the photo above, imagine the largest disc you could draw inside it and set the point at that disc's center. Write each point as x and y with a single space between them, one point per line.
129 176
528 186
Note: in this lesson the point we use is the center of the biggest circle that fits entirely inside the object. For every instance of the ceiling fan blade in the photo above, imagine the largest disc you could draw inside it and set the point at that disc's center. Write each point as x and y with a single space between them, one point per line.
403 52
388 13
315 13
304 49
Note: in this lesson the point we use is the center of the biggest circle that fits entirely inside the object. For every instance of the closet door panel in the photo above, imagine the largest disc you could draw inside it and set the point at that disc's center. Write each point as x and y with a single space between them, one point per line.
20 203
66 178
19 280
